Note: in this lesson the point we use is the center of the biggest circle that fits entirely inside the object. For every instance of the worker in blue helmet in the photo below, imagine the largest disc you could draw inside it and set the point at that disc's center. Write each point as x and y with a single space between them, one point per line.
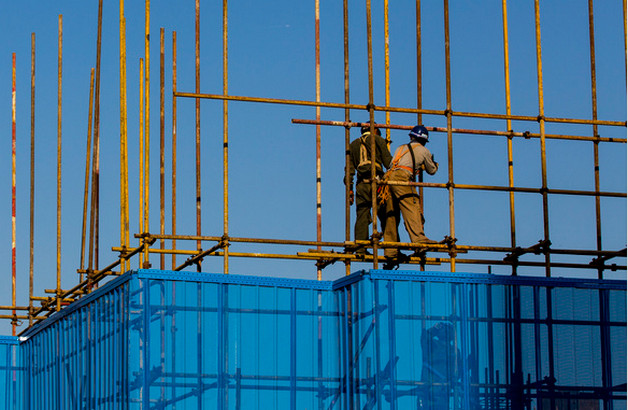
408 161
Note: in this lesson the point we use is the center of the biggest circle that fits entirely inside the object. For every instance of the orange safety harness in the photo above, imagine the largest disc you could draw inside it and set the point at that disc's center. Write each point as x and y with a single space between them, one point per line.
383 191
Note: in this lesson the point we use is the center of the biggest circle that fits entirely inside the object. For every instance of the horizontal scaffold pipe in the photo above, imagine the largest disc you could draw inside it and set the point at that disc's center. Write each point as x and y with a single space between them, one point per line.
396 109
508 134
413 260
505 189
409 245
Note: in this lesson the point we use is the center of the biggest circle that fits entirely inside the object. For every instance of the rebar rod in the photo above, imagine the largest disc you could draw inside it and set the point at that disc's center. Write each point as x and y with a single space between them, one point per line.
124 165
13 254
59 108
88 152
511 197
162 148
197 42
317 70
596 156
508 134
32 187
396 109
348 183
450 148
174 145
225 131
539 73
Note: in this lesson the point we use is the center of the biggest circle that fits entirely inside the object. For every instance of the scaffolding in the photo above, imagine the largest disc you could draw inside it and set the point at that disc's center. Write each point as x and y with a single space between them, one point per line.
323 253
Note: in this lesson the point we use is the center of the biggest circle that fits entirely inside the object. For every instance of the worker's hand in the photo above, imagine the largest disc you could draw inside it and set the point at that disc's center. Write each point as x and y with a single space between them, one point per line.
351 197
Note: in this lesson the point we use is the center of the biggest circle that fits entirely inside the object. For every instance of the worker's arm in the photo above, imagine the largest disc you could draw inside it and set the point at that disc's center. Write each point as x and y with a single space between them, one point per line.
430 165
384 152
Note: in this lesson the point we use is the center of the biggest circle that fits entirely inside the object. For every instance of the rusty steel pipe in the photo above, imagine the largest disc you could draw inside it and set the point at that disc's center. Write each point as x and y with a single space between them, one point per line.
59 107
142 172
450 148
371 109
174 145
197 70
317 71
96 161
596 156
539 73
124 166
162 148
508 134
511 198
225 131
32 187
396 109
88 151
348 184
13 168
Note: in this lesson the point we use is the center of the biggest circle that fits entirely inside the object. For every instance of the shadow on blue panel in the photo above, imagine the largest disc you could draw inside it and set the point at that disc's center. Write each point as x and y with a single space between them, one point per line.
372 340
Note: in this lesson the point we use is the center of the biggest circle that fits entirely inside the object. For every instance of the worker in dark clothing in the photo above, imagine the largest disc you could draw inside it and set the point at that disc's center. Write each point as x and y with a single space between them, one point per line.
360 164
409 159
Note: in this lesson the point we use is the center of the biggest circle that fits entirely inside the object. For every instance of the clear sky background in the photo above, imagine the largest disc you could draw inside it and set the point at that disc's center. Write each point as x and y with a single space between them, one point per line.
272 191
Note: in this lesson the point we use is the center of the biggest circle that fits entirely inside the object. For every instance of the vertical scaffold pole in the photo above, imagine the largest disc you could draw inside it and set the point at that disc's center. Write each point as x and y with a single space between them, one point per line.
387 70
419 92
13 254
596 156
162 154
319 235
59 101
348 183
88 152
32 188
371 109
541 119
513 238
450 148
142 192
124 164
197 38
146 125
174 146
96 163
225 132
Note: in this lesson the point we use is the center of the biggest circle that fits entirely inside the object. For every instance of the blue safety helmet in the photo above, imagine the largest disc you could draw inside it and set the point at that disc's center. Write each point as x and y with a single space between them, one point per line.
419 132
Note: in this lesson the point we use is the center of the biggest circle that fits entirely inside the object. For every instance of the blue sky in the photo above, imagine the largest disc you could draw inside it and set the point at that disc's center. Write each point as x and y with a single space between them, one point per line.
272 190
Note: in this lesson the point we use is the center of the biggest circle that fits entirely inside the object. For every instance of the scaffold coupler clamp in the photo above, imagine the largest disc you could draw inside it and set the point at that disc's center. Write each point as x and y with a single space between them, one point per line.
451 245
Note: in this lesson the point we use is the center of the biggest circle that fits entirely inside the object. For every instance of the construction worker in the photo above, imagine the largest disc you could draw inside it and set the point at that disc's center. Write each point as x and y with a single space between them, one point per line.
408 160
360 164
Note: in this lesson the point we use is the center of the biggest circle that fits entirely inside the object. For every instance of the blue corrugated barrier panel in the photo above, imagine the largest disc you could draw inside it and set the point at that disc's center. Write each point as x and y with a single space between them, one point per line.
373 340
11 374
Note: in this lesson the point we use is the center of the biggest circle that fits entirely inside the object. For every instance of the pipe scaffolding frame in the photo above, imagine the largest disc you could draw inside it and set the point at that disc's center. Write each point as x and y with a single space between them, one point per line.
323 253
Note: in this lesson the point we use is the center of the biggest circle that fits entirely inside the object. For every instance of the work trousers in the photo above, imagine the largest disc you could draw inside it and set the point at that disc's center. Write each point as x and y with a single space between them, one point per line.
363 207
403 200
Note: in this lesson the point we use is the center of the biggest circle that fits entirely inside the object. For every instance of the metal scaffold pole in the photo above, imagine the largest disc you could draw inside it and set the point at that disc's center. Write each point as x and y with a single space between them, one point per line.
174 146
59 102
225 133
